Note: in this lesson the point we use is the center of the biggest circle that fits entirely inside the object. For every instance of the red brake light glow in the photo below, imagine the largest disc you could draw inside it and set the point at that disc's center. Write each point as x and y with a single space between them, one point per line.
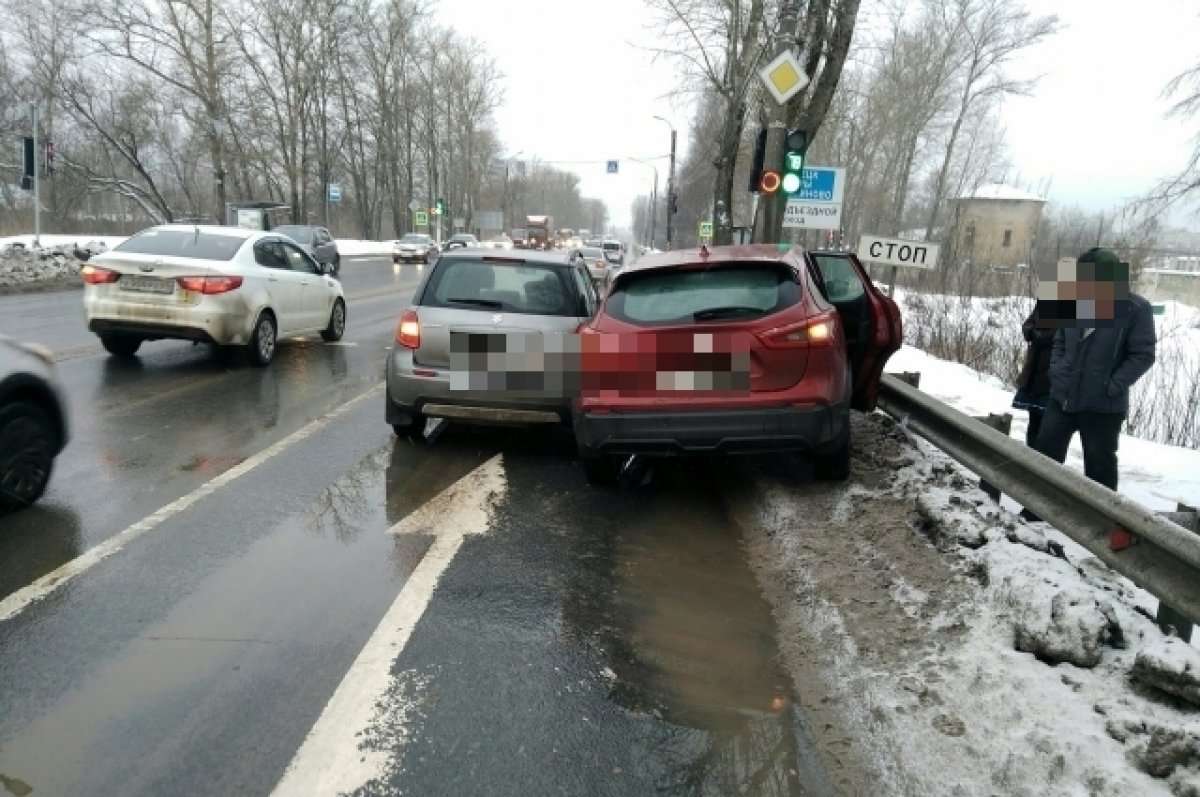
95 275
210 284
815 331
408 334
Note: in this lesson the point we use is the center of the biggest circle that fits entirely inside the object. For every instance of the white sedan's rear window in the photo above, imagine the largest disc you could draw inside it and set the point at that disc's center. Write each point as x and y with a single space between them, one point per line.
181 243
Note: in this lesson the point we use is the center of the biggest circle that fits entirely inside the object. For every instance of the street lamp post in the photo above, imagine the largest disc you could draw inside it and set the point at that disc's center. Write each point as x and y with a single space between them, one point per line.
504 197
653 200
670 183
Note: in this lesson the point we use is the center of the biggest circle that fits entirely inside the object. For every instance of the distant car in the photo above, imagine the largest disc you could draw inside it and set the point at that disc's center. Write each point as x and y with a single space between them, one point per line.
477 298
753 348
33 422
414 247
461 240
317 242
498 242
614 249
223 285
597 263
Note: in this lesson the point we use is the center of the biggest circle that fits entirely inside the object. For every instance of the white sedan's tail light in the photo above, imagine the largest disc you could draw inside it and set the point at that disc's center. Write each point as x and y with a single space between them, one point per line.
210 284
95 275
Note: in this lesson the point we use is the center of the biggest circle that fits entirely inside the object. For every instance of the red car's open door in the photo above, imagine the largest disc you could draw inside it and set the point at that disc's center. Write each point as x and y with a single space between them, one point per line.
871 319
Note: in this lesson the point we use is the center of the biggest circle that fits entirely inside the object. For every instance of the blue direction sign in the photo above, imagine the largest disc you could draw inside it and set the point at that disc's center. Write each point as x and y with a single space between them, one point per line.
335 192
817 185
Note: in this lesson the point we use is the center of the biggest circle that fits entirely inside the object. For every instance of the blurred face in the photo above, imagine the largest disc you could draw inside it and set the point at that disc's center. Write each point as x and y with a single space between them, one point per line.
1074 294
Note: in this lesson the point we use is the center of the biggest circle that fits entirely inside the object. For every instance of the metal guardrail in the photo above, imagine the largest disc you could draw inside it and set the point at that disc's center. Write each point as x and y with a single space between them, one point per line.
1166 560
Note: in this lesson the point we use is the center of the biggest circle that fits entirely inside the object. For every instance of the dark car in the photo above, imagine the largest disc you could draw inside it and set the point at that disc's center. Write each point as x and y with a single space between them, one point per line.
33 422
732 350
317 242
478 343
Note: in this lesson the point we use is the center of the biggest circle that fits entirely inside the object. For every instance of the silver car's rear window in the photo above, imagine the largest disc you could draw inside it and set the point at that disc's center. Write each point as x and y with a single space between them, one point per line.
510 287
721 293
182 243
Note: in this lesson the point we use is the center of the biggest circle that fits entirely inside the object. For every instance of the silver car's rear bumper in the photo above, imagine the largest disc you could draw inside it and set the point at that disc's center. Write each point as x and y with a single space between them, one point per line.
410 394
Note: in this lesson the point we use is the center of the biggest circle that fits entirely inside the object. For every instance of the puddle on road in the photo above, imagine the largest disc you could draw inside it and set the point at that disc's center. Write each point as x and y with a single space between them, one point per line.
691 639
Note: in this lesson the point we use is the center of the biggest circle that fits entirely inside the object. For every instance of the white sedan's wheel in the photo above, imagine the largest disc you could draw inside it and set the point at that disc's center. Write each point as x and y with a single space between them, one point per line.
262 342
337 322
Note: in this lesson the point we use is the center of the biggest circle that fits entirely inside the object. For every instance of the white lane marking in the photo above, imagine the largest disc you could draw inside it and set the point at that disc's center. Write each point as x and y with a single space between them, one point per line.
18 601
336 757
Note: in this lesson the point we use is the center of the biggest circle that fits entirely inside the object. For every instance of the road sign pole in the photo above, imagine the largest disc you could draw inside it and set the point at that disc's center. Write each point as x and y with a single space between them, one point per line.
37 196
771 226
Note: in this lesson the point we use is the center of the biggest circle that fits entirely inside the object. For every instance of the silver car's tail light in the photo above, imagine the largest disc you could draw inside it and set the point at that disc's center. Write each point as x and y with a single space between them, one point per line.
408 334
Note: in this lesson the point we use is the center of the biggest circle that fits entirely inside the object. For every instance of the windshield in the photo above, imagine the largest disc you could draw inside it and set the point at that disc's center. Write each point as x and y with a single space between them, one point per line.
297 233
412 238
183 243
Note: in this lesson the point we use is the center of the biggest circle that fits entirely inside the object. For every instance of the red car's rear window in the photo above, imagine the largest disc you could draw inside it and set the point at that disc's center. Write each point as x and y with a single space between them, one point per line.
721 293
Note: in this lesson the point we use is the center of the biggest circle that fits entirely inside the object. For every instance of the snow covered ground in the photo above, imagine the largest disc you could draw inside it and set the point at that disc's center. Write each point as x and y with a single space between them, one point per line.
944 646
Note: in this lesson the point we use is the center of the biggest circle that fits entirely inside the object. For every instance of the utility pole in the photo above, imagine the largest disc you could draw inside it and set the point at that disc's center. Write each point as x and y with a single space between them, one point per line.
37 168
773 205
670 184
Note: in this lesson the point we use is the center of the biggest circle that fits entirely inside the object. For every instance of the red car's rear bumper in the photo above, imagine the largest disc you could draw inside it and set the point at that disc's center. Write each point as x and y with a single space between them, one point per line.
712 432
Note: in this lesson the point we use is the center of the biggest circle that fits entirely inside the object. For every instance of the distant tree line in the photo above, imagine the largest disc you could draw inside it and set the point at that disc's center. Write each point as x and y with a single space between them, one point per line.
165 110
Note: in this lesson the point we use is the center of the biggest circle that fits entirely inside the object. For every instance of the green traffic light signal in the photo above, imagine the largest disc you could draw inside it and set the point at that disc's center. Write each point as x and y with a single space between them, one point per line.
793 161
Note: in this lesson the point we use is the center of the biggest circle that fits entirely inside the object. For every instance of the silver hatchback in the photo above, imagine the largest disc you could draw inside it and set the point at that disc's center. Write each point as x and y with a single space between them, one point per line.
488 339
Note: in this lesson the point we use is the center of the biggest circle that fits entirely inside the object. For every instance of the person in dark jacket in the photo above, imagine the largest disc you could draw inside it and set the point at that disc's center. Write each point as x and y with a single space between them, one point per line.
1033 383
1095 359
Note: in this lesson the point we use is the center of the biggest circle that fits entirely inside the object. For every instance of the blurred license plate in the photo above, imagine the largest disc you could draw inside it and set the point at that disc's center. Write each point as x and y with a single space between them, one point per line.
146 284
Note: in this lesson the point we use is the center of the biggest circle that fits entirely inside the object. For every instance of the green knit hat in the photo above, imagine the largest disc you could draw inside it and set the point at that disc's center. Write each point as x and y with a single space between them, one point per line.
1102 265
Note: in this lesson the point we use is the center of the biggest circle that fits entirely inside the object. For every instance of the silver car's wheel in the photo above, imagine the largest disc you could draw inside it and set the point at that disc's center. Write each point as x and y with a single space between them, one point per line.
262 342
337 322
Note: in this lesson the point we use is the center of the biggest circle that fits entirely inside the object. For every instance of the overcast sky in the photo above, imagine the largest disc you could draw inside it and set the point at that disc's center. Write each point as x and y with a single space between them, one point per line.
580 88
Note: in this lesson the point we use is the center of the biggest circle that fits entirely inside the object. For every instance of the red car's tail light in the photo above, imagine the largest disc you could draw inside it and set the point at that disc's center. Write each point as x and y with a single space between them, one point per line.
210 284
815 331
408 334
95 275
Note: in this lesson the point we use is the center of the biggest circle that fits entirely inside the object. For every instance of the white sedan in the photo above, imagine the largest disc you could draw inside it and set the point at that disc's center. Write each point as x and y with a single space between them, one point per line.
224 285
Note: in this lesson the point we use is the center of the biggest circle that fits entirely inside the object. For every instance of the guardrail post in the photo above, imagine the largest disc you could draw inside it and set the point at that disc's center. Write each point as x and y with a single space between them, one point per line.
910 377
1167 618
1001 423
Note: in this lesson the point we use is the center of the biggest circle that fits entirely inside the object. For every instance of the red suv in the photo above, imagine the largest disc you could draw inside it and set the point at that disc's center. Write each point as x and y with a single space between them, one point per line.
732 350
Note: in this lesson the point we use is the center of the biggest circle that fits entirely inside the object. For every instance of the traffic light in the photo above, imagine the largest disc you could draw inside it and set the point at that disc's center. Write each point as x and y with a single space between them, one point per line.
28 163
48 166
793 161
768 182
760 155
441 207
674 203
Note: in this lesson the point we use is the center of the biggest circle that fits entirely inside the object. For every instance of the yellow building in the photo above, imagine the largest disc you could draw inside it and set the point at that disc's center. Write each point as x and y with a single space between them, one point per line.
995 225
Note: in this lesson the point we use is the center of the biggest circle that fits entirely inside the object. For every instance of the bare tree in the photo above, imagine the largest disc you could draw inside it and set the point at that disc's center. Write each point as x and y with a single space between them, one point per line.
989 33
1185 87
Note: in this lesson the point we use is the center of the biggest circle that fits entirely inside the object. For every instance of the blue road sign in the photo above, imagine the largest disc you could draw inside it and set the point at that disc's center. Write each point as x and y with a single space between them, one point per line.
335 192
817 185
612 167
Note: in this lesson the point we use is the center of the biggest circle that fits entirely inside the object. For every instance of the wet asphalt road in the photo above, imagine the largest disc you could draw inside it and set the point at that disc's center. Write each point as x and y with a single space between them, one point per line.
581 642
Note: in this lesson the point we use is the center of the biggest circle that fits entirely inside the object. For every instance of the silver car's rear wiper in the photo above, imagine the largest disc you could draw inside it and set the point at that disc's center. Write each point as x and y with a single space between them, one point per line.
491 304
733 311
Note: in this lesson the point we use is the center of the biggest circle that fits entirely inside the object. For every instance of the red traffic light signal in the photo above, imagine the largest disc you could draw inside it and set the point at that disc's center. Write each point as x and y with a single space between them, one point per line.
769 182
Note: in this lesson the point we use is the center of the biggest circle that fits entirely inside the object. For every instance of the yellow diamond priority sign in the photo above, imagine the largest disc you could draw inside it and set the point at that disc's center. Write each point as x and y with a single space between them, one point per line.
784 77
